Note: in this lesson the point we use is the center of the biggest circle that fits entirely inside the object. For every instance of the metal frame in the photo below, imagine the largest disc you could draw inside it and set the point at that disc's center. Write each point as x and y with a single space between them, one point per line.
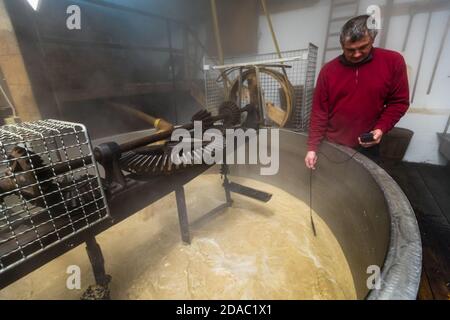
120 208
256 63
63 140
302 76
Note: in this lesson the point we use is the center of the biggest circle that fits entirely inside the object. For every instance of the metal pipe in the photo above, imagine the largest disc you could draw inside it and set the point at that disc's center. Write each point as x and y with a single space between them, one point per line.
217 31
158 123
218 42
274 38
259 63
140 142
173 97
269 21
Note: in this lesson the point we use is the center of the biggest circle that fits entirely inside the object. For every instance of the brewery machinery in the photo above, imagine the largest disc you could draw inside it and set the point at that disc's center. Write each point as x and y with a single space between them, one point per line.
54 197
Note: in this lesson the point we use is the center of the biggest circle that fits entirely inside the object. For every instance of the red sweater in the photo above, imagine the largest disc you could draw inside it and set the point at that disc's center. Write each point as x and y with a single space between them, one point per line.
351 100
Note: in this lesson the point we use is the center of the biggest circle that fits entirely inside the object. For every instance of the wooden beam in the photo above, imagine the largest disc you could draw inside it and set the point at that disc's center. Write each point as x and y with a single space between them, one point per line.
217 31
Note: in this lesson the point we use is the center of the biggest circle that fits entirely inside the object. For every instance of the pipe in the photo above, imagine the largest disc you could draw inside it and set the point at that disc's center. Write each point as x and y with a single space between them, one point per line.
217 31
140 142
274 38
158 123
269 21
218 41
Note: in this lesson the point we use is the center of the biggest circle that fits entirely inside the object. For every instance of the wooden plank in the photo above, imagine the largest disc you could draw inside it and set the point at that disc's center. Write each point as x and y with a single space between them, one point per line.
275 114
425 292
421 197
438 182
424 185
438 273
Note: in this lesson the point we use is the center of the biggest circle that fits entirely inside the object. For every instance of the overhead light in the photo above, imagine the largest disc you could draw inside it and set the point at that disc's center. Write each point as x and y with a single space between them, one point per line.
34 4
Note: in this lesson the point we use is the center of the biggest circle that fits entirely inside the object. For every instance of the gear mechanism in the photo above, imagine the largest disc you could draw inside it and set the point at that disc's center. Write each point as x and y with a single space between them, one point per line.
232 113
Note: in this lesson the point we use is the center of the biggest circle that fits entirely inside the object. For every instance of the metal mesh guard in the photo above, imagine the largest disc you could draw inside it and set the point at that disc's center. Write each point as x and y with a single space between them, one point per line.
301 75
44 197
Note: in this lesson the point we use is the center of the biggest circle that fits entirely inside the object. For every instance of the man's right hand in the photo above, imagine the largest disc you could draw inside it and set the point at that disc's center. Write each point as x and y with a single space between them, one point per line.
311 160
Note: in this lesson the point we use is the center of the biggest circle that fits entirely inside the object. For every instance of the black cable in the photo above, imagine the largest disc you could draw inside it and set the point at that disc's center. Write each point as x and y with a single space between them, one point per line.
338 162
310 186
310 203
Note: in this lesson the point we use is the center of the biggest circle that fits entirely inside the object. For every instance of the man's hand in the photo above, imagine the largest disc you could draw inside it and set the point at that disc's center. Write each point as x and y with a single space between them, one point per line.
311 160
377 135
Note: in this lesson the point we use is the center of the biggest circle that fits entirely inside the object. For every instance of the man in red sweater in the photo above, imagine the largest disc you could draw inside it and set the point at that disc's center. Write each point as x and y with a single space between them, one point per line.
365 90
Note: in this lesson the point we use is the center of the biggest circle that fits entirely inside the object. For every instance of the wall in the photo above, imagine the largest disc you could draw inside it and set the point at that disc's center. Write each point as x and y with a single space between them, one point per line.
428 113
13 68
117 56
238 25
295 28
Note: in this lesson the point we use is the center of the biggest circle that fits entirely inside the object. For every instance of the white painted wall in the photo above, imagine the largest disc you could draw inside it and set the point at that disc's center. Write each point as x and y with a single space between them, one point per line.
428 113
295 29
424 145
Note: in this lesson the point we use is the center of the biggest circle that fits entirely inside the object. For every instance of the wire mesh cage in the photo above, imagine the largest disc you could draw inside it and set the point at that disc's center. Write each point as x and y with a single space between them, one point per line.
50 188
300 72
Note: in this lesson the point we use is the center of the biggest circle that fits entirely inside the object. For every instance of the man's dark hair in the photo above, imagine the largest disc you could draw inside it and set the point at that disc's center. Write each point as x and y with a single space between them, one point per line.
356 28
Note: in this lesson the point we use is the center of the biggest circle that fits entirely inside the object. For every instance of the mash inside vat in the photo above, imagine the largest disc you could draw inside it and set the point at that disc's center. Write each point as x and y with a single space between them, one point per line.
251 250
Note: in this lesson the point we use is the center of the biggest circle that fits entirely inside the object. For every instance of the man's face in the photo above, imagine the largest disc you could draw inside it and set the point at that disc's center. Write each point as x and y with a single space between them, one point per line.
357 51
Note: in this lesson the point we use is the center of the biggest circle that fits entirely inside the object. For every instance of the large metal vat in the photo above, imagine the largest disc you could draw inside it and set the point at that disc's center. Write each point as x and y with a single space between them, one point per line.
366 210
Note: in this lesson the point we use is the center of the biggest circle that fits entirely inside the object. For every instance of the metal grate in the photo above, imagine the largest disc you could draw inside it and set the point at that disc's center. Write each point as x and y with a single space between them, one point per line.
301 75
215 92
50 187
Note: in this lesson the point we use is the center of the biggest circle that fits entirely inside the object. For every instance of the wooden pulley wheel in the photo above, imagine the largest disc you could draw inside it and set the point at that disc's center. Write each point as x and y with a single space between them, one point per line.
276 93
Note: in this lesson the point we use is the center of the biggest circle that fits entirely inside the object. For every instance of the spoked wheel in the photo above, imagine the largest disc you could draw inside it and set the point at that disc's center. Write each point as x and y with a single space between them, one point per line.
276 92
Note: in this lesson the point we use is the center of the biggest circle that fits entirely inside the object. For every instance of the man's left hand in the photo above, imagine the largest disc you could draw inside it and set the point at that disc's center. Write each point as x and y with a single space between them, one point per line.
377 135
